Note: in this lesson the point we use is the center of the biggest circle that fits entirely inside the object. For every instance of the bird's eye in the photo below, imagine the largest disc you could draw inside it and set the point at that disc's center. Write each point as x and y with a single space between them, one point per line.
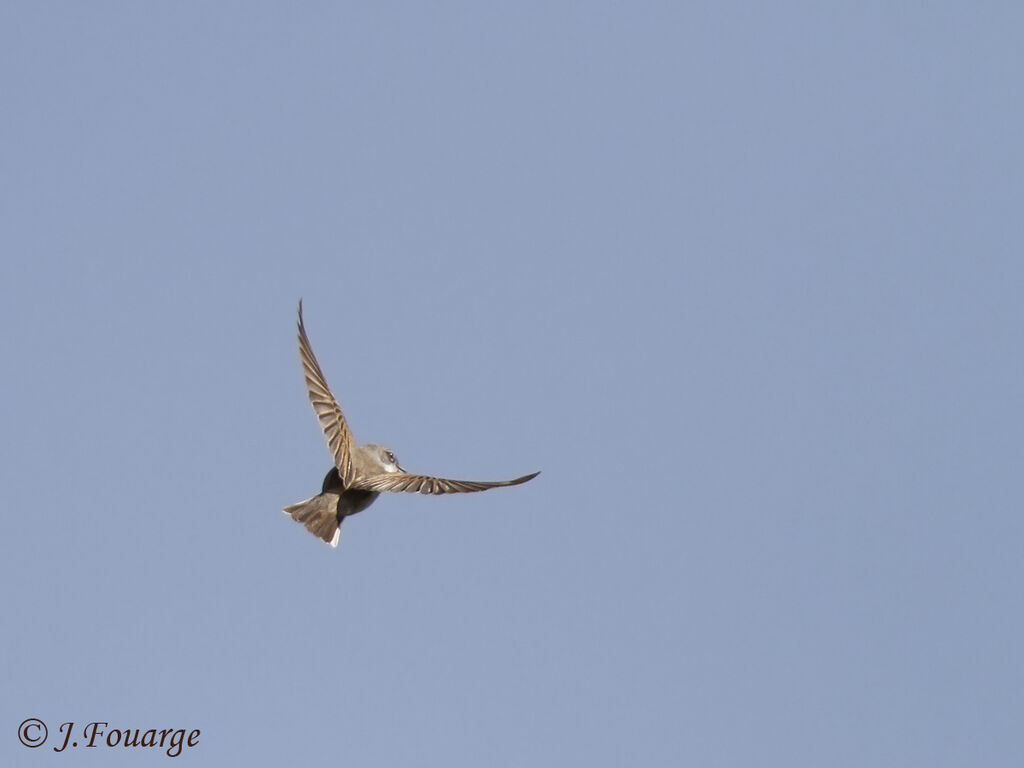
391 457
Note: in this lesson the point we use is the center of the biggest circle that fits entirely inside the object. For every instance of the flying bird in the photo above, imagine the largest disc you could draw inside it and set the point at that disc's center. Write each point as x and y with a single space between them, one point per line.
360 473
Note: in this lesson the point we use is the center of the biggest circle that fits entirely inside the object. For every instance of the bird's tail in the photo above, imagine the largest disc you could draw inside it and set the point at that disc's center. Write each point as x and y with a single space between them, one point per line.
320 516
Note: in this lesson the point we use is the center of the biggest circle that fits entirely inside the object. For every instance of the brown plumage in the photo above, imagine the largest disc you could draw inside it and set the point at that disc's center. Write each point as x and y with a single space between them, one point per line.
360 473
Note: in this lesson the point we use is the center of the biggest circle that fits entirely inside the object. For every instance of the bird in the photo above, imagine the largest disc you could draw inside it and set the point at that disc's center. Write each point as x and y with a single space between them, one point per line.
360 473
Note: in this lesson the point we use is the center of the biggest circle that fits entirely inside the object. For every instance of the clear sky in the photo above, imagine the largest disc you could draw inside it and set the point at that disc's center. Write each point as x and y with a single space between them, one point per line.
744 282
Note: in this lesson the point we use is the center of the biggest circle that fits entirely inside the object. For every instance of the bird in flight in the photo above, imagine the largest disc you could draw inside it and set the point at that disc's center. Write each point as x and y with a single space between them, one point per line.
360 473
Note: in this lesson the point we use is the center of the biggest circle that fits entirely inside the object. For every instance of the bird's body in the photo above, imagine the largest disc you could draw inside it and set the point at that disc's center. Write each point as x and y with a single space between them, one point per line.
322 515
359 474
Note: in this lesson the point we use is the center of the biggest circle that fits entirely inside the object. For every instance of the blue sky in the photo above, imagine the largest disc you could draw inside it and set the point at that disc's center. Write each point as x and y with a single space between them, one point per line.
745 283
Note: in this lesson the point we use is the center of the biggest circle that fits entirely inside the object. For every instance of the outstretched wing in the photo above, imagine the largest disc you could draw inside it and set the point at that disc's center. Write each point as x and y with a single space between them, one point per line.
399 481
332 420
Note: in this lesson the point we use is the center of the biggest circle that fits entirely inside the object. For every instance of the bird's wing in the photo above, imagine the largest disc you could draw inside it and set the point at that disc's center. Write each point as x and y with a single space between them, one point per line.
332 420
399 481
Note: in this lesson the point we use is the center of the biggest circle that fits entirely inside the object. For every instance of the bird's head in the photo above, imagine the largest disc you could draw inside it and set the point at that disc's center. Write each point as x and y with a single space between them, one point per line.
383 457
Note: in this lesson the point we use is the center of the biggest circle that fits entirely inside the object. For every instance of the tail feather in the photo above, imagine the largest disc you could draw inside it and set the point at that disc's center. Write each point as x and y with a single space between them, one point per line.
320 516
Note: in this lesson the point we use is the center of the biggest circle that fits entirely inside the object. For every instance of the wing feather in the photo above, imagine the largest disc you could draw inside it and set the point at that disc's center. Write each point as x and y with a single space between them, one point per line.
327 410
401 482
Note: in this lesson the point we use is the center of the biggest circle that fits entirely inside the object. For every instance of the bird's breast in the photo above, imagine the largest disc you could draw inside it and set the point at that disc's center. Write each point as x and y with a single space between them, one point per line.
355 500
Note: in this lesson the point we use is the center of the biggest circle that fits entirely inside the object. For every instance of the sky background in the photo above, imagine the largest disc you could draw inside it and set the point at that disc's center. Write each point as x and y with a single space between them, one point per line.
744 283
